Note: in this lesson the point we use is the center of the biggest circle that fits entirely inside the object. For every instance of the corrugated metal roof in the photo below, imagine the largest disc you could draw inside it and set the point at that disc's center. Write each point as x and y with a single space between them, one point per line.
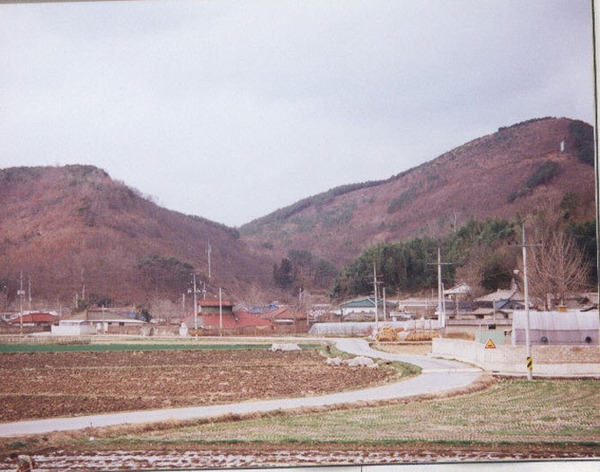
458 289
557 320
366 302
503 294
359 303
35 318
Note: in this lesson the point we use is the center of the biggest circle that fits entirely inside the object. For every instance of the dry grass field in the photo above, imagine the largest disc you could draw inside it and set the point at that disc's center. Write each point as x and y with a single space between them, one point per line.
419 349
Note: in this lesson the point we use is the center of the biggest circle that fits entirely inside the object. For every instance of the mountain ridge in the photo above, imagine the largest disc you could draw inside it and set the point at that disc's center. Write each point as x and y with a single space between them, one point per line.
484 177
77 234
73 229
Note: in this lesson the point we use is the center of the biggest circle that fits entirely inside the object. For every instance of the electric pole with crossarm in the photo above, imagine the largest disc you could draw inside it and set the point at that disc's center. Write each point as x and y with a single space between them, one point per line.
529 363
441 305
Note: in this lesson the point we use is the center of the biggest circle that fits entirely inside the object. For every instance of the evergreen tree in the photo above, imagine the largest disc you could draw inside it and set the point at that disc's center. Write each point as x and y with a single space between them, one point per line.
283 274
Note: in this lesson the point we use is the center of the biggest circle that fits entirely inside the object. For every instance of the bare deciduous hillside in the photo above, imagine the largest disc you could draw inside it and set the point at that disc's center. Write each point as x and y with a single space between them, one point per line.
74 230
499 175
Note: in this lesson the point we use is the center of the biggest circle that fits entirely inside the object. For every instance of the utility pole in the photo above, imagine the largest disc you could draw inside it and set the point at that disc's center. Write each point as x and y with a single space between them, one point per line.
375 293
29 293
596 155
596 150
529 363
82 286
441 303
195 308
21 292
220 313
384 304
208 251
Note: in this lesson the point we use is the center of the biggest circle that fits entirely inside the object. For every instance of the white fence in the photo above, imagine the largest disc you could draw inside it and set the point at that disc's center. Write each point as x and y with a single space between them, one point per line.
569 361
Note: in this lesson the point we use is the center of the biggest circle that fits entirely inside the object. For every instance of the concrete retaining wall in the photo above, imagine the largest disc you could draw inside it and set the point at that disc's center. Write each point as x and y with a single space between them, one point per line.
73 329
547 360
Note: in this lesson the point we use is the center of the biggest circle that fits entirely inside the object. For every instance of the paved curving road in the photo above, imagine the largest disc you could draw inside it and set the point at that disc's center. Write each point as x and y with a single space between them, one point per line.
437 376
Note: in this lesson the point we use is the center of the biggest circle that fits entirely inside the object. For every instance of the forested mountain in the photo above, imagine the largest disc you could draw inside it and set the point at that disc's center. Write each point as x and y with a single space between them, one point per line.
75 236
73 232
546 162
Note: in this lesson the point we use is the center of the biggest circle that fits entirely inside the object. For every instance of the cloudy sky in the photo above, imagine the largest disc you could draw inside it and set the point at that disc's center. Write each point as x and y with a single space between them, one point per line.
231 109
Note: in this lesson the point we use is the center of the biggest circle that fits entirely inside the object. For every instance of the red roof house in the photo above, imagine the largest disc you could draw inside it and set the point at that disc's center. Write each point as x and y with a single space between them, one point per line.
239 321
35 319
214 306
285 315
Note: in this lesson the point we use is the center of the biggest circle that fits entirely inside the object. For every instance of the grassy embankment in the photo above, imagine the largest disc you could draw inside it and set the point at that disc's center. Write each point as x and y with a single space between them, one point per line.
508 411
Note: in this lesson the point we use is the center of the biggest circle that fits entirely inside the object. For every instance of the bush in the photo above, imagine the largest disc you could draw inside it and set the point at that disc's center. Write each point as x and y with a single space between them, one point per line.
400 202
543 174
583 138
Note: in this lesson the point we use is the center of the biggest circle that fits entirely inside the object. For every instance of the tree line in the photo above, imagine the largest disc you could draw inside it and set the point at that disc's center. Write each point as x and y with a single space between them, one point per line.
484 254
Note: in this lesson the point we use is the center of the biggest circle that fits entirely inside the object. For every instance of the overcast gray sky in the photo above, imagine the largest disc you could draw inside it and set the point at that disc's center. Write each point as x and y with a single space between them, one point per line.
230 109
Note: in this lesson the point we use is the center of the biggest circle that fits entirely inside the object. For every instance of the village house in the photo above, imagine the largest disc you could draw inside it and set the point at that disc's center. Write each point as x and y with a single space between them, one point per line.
98 321
321 312
483 317
207 307
492 316
287 319
413 308
362 309
34 319
214 318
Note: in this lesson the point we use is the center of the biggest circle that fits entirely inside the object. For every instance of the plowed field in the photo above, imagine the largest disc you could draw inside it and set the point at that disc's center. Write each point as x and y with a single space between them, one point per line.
43 385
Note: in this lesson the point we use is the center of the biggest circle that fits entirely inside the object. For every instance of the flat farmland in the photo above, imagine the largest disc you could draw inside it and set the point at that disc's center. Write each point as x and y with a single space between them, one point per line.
53 384
497 420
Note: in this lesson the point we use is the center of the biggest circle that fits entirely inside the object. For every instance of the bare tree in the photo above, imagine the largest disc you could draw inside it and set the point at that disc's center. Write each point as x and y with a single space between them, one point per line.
165 310
4 299
471 271
254 295
556 269
487 268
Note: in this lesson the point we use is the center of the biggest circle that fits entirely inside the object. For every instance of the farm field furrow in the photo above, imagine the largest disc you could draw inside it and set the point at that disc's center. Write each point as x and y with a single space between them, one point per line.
53 384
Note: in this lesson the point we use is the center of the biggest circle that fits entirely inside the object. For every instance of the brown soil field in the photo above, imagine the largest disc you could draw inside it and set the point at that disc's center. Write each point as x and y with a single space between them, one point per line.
45 385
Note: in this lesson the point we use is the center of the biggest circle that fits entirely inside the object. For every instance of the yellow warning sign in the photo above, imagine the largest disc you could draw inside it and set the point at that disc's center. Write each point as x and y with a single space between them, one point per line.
490 344
529 363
